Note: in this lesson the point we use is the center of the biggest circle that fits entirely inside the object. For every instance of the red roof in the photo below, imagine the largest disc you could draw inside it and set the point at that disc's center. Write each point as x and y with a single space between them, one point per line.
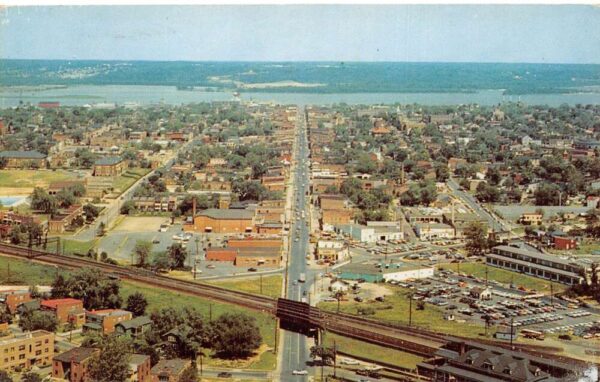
60 301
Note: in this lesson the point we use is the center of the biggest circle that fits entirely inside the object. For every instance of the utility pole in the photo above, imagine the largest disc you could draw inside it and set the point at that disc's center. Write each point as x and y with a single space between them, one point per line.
486 274
512 321
551 293
334 359
196 258
261 290
410 309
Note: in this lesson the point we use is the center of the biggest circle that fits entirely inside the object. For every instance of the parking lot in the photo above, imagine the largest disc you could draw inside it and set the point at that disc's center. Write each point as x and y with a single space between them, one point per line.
452 293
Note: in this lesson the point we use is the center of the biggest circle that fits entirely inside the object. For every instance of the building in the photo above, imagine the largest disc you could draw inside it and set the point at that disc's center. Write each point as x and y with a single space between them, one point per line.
536 264
376 272
481 293
169 370
223 221
331 251
63 220
72 365
139 368
531 218
470 361
13 298
65 310
429 231
12 218
564 242
24 159
104 321
108 166
135 327
22 351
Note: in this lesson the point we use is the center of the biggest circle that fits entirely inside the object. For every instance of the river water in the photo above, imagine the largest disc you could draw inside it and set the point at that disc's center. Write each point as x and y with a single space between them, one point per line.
144 95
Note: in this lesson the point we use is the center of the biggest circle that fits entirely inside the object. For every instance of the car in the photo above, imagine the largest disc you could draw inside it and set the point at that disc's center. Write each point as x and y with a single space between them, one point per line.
163 228
252 269
224 374
300 372
348 361
155 241
358 299
211 266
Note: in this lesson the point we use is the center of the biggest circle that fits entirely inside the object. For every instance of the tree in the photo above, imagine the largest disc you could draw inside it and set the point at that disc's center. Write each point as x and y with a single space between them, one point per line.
101 229
128 207
59 286
111 363
327 355
31 377
42 201
95 289
190 374
91 212
136 304
161 261
142 251
476 236
38 320
547 195
5 377
177 255
486 193
5 316
235 335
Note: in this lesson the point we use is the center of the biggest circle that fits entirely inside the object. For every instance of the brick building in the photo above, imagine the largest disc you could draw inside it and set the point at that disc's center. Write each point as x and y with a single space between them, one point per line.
108 166
65 310
72 365
13 298
104 321
139 368
223 221
24 159
26 350
169 370
59 222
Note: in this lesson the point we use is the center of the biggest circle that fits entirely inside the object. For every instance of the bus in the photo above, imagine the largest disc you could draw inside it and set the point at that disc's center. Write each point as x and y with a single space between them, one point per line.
528 333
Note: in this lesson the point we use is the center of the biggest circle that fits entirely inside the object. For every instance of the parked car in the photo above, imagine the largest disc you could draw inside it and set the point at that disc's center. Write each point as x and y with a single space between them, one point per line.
224 374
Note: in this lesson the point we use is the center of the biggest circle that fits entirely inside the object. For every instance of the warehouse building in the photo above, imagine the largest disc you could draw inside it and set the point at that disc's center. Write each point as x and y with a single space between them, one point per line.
377 272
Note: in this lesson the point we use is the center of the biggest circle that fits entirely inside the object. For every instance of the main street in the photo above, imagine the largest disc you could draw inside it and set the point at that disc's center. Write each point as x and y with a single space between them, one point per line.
295 351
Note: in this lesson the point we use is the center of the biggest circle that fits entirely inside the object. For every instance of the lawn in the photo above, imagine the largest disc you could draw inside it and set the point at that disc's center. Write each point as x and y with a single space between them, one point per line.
74 246
23 272
129 177
33 178
506 277
372 352
396 310
271 285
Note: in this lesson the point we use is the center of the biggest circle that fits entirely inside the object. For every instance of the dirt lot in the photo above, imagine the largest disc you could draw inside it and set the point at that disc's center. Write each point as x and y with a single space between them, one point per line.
141 224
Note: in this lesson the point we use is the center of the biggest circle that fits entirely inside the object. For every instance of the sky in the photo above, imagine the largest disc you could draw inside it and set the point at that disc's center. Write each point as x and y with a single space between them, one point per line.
429 33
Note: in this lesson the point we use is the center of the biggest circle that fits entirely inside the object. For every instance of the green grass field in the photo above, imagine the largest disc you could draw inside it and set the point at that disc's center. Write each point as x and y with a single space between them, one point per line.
373 352
16 271
75 246
33 178
271 285
506 277
396 310
129 177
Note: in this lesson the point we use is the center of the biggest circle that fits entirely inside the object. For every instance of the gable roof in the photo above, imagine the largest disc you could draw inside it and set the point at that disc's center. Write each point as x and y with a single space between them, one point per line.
108 161
135 323
22 154
75 355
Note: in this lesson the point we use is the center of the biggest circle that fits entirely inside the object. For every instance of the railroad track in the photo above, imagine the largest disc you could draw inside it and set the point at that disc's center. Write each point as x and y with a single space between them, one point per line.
410 339
248 300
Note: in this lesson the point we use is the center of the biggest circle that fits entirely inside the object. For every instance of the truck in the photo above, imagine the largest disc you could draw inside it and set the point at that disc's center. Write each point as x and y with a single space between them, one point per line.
302 278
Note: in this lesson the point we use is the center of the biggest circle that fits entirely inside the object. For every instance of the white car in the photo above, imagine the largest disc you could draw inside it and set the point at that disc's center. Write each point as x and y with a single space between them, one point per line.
348 361
300 372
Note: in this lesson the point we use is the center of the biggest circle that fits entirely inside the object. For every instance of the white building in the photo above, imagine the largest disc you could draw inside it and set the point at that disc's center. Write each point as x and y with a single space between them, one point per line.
372 232
428 231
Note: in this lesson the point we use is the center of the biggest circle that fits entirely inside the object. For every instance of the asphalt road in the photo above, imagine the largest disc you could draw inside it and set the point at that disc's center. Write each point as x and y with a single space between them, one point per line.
295 351
467 198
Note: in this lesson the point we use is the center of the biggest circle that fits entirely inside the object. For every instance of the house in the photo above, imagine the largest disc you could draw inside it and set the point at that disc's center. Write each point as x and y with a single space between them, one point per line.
65 310
506 333
104 321
24 159
564 242
139 368
55 187
24 350
72 365
13 298
481 293
169 370
135 327
108 166
223 221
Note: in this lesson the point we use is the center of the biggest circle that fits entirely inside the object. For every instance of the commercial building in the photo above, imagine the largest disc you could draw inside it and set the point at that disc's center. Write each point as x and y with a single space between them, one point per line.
26 350
331 250
65 310
62 220
169 370
376 272
223 221
72 365
536 264
531 218
429 231
24 159
108 166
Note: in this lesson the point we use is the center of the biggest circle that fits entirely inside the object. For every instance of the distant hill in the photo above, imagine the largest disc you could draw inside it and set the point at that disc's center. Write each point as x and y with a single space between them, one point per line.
309 77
